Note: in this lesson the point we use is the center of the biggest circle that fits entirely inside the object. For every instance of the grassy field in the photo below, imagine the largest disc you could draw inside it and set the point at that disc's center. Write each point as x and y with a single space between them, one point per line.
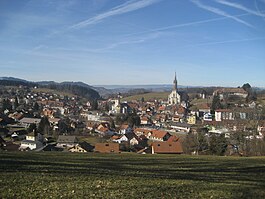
148 96
91 139
66 175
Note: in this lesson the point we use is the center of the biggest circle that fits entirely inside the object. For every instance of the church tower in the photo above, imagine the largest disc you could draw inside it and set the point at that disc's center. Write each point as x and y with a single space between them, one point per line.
174 97
175 83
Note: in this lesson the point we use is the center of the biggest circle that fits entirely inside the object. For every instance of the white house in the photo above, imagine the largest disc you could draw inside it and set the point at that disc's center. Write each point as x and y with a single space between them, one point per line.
207 117
32 142
224 114
129 137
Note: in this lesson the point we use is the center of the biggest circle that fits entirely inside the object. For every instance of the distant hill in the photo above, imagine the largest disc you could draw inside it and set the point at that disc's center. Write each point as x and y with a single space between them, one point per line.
13 79
76 88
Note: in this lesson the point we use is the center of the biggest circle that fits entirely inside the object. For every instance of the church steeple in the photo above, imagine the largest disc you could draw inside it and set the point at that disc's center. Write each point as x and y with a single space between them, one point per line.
175 83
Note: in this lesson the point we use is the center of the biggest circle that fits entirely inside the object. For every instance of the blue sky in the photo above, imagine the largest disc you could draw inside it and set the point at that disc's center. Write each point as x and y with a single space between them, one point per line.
207 42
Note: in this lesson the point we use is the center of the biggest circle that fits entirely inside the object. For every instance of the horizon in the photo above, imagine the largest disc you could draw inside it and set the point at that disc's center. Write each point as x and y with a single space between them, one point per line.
104 42
135 85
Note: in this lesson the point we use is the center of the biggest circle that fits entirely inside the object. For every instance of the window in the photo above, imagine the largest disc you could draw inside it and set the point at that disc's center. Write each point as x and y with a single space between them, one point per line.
170 145
158 144
106 144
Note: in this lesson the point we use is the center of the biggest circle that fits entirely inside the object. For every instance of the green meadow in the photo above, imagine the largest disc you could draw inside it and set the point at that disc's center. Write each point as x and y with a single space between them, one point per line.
92 175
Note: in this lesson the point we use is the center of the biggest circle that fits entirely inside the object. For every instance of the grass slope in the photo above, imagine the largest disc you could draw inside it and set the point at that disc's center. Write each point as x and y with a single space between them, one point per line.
148 96
66 175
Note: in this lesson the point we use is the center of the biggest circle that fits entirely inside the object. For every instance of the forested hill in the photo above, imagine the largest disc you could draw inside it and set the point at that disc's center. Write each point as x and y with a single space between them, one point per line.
77 88
80 90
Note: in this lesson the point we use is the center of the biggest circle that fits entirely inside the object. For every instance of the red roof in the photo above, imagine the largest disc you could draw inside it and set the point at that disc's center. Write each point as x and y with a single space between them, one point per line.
173 138
158 133
167 147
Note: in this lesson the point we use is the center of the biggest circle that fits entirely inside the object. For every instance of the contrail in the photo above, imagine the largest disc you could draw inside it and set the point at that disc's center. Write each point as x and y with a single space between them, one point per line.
118 10
219 12
240 7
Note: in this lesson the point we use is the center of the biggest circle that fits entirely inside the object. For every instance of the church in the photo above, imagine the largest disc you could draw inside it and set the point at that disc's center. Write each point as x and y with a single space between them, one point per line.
177 97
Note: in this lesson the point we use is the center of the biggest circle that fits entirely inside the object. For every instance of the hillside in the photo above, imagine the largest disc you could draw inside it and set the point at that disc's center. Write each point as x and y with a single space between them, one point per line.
68 175
148 96
70 88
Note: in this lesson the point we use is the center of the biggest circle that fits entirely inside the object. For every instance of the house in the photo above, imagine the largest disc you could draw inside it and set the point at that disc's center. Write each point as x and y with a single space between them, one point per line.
175 118
90 126
180 126
203 94
16 116
66 141
107 148
54 122
230 92
207 117
181 111
224 114
145 120
203 109
82 147
166 148
48 112
131 138
141 131
104 129
158 135
32 142
125 129
52 147
161 109
191 119
26 121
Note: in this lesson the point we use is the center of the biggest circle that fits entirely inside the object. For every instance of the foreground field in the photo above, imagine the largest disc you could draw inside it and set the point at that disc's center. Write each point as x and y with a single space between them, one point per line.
66 175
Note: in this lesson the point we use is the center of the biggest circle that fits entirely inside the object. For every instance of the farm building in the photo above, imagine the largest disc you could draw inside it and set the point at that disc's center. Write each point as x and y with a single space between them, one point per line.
107 147
82 147
166 147
66 141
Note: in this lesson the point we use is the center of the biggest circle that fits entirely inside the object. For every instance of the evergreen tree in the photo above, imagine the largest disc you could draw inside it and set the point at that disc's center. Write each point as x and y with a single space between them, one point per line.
6 105
246 87
112 124
94 105
218 144
16 103
32 128
44 126
216 103
36 107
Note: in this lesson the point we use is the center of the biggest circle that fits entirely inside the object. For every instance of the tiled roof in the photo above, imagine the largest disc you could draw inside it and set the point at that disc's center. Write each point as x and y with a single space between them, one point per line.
167 147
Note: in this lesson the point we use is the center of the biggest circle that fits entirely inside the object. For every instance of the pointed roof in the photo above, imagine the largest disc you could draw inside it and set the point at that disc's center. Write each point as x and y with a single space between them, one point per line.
175 79
175 82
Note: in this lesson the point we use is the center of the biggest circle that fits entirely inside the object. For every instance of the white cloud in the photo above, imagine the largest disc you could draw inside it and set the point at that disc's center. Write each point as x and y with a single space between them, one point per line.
118 10
219 12
240 7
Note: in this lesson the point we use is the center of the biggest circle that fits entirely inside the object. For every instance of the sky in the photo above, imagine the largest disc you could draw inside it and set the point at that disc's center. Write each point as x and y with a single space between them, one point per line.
135 42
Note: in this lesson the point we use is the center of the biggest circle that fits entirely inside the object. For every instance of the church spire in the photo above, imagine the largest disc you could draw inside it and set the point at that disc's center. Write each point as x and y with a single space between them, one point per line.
175 83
